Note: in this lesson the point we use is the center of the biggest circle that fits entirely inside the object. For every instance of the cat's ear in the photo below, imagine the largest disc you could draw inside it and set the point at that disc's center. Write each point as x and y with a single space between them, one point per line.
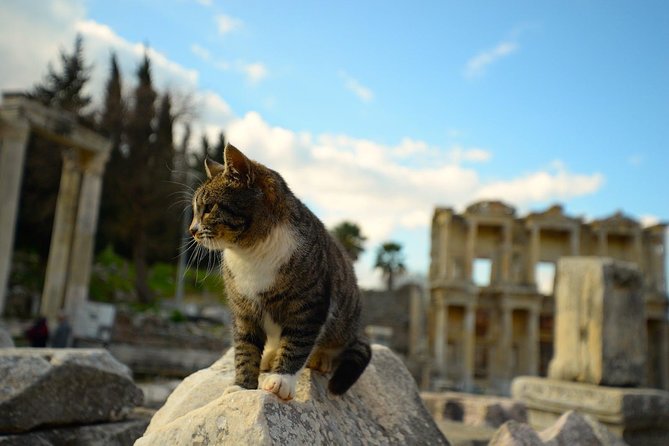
237 165
213 168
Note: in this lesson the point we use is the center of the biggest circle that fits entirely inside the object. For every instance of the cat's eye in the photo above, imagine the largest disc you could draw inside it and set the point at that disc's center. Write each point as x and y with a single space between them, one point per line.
207 209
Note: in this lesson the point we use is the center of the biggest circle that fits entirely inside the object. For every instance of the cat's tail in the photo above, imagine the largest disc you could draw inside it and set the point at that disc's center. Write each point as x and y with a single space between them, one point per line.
352 362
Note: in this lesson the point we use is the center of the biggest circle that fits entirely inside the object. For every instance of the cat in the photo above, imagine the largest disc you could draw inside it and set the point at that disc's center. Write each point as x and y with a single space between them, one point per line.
291 287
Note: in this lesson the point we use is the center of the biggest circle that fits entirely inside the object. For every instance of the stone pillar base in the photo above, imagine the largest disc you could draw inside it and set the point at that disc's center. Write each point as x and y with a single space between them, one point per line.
639 416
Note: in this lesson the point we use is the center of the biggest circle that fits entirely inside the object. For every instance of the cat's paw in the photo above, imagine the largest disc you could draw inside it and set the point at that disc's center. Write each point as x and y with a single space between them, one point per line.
232 389
282 386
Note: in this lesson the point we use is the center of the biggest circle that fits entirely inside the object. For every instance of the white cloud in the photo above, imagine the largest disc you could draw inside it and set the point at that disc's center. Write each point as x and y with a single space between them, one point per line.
459 154
205 2
255 72
477 65
201 52
227 24
363 93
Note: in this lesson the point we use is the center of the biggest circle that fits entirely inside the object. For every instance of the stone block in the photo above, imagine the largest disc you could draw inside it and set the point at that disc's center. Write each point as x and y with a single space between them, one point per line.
600 328
120 433
474 410
571 429
62 387
639 416
383 407
6 340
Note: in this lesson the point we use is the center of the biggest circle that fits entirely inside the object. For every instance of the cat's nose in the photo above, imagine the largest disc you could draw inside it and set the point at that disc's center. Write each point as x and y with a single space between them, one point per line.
194 228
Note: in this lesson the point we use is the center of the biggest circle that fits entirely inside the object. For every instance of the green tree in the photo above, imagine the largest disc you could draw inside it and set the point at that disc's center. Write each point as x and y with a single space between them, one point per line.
140 163
64 88
111 230
390 260
350 237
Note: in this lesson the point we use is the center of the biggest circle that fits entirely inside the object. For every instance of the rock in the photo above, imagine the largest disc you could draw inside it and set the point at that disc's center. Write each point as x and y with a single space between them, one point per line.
576 429
383 407
62 386
6 340
120 433
474 410
513 433
640 416
600 322
571 429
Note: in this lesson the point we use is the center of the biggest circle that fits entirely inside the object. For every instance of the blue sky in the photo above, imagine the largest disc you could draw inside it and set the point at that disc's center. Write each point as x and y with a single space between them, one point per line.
378 111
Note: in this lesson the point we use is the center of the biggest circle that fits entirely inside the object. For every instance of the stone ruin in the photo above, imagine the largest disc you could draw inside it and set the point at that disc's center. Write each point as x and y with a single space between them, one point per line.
600 354
484 331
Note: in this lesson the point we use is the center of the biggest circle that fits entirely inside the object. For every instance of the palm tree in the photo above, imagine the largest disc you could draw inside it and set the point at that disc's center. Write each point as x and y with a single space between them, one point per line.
390 260
351 238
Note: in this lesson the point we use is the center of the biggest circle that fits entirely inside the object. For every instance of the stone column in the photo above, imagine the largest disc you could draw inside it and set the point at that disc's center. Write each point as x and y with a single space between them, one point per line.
470 249
575 241
534 254
469 341
416 325
638 248
506 252
504 352
664 355
61 235
13 141
440 333
602 243
442 248
81 257
533 342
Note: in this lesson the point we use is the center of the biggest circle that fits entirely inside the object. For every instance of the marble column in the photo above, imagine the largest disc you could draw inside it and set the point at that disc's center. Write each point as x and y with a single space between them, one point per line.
469 344
13 144
506 252
61 235
602 243
470 250
637 242
81 257
534 254
575 241
442 253
440 333
505 352
533 342
416 322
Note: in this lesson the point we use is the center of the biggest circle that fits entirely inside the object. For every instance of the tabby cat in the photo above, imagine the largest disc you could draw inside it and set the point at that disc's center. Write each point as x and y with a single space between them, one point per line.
290 285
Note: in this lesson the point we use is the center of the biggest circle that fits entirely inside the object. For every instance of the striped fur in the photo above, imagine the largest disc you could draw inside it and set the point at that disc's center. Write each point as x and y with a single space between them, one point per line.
291 287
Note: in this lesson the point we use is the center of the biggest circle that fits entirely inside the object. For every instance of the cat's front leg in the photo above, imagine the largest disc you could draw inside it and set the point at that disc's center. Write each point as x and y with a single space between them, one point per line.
291 357
249 341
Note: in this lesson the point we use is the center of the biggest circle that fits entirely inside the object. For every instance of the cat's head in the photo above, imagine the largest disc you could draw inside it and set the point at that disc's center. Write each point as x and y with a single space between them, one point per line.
238 204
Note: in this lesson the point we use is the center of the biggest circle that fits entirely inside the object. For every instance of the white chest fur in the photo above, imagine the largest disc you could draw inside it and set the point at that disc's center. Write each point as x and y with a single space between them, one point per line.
254 270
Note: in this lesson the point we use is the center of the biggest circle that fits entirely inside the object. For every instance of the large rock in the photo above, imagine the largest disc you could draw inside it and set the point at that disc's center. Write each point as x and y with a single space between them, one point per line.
61 387
383 407
600 323
120 433
571 429
640 416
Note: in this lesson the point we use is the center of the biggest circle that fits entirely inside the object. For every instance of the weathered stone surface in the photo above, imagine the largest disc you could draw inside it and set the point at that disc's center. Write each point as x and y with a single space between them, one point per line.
474 410
600 328
640 416
6 340
383 407
121 433
576 429
571 429
52 387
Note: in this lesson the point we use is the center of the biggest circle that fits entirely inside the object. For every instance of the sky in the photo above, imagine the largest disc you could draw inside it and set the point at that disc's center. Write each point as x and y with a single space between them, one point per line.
376 112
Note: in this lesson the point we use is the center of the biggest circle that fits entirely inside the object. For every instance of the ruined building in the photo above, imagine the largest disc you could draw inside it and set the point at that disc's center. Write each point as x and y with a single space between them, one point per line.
490 315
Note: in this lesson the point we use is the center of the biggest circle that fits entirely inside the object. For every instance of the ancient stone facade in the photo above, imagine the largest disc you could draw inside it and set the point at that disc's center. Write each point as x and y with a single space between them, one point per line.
491 309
